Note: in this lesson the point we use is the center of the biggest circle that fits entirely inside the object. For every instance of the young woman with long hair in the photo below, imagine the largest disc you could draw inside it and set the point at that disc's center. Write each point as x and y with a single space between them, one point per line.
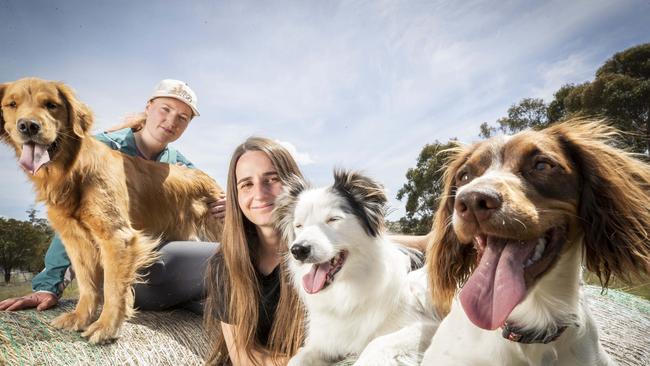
252 314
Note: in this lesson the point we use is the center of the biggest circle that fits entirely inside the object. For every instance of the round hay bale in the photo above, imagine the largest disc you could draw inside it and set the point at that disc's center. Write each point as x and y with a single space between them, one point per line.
149 338
176 337
623 323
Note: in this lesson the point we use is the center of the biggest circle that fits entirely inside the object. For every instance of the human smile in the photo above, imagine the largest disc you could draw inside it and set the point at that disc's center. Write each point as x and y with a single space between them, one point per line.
262 206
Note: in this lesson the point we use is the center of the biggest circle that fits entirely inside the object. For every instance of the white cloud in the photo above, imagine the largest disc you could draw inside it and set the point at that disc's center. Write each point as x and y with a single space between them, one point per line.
359 84
574 69
302 158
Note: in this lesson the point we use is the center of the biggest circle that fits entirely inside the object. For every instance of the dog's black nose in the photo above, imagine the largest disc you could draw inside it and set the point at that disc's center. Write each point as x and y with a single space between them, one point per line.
301 250
28 127
480 204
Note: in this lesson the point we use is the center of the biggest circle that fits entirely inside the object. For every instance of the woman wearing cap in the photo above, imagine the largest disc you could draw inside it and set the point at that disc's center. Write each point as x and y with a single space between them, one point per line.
176 280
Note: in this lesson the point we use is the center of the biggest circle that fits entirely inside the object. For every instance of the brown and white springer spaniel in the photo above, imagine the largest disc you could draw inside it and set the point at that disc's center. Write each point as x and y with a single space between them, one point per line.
520 217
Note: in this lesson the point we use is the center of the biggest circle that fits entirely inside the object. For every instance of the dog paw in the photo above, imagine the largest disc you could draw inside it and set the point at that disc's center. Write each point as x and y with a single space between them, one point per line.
71 321
99 333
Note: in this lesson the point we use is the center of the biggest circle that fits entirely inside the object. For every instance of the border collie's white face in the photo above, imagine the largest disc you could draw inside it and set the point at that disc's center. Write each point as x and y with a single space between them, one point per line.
328 229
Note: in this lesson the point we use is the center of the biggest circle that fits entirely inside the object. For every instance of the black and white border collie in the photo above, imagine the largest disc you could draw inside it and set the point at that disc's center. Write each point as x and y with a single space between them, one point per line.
360 294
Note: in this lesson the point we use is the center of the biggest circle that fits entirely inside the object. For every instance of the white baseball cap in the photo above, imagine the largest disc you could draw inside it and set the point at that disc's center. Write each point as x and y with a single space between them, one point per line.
176 89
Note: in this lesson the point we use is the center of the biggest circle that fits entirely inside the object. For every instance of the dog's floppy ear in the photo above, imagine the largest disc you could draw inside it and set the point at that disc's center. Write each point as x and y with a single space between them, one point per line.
449 262
3 133
285 205
81 117
613 206
366 198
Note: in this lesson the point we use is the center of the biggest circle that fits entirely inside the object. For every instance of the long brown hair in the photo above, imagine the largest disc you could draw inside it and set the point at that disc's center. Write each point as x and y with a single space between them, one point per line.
230 277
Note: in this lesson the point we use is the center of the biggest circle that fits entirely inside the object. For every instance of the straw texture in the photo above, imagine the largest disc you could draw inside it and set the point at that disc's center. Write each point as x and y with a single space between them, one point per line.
176 337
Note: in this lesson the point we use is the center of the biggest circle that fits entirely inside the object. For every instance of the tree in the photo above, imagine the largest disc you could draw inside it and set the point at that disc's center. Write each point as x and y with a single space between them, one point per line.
620 92
22 243
528 113
423 188
35 262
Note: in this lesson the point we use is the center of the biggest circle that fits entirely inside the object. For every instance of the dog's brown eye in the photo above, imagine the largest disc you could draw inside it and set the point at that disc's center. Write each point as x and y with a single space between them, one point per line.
51 106
11 104
298 226
463 177
333 219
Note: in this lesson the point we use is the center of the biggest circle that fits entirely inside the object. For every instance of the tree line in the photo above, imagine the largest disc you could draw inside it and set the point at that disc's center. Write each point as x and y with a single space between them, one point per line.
620 93
23 243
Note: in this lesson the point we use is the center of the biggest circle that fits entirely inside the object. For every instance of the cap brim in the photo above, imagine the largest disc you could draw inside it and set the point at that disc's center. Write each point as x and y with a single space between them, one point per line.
156 95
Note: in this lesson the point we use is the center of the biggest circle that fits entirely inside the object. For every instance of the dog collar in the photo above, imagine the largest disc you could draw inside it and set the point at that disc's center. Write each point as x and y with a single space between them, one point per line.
515 334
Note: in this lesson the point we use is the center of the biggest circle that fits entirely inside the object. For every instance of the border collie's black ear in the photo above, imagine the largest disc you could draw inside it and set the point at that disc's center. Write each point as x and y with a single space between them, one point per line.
449 262
285 204
3 133
81 118
366 197
613 205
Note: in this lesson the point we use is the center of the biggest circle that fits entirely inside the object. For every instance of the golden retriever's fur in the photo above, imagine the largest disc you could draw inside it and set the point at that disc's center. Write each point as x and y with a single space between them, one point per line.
110 209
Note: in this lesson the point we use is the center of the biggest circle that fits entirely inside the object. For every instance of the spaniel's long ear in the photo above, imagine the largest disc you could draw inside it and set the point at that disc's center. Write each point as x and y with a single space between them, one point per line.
449 262
614 204
81 118
3 133
366 197
285 205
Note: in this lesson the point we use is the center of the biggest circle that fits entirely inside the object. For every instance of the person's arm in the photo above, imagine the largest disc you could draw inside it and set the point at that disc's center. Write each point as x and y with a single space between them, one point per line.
239 357
418 242
48 285
51 279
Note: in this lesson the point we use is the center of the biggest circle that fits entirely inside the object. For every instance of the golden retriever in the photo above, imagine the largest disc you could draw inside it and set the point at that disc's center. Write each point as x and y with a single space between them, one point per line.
110 209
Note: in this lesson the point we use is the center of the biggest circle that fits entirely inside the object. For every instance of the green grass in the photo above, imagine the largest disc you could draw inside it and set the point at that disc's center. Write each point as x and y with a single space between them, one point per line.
71 292
641 289
24 288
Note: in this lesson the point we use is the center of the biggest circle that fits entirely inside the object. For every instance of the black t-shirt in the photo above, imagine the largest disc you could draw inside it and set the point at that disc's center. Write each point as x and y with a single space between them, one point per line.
269 297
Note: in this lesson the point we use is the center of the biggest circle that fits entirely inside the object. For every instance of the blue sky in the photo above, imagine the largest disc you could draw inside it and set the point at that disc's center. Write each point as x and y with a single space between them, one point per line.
355 84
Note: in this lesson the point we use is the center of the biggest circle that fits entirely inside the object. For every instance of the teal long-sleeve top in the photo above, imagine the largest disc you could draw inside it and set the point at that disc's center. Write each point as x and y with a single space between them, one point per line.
53 278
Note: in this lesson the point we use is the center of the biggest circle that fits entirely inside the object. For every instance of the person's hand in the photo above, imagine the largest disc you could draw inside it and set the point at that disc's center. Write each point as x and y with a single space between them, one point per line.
218 207
38 300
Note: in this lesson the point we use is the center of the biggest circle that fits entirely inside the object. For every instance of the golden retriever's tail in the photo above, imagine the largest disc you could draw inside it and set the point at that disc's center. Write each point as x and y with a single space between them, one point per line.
145 253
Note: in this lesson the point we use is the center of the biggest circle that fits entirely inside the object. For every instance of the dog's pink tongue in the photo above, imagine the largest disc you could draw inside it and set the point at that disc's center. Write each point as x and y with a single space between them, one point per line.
497 285
33 157
314 281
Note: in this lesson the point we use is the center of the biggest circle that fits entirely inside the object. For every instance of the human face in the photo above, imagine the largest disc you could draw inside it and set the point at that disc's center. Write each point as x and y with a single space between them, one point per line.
167 119
258 184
